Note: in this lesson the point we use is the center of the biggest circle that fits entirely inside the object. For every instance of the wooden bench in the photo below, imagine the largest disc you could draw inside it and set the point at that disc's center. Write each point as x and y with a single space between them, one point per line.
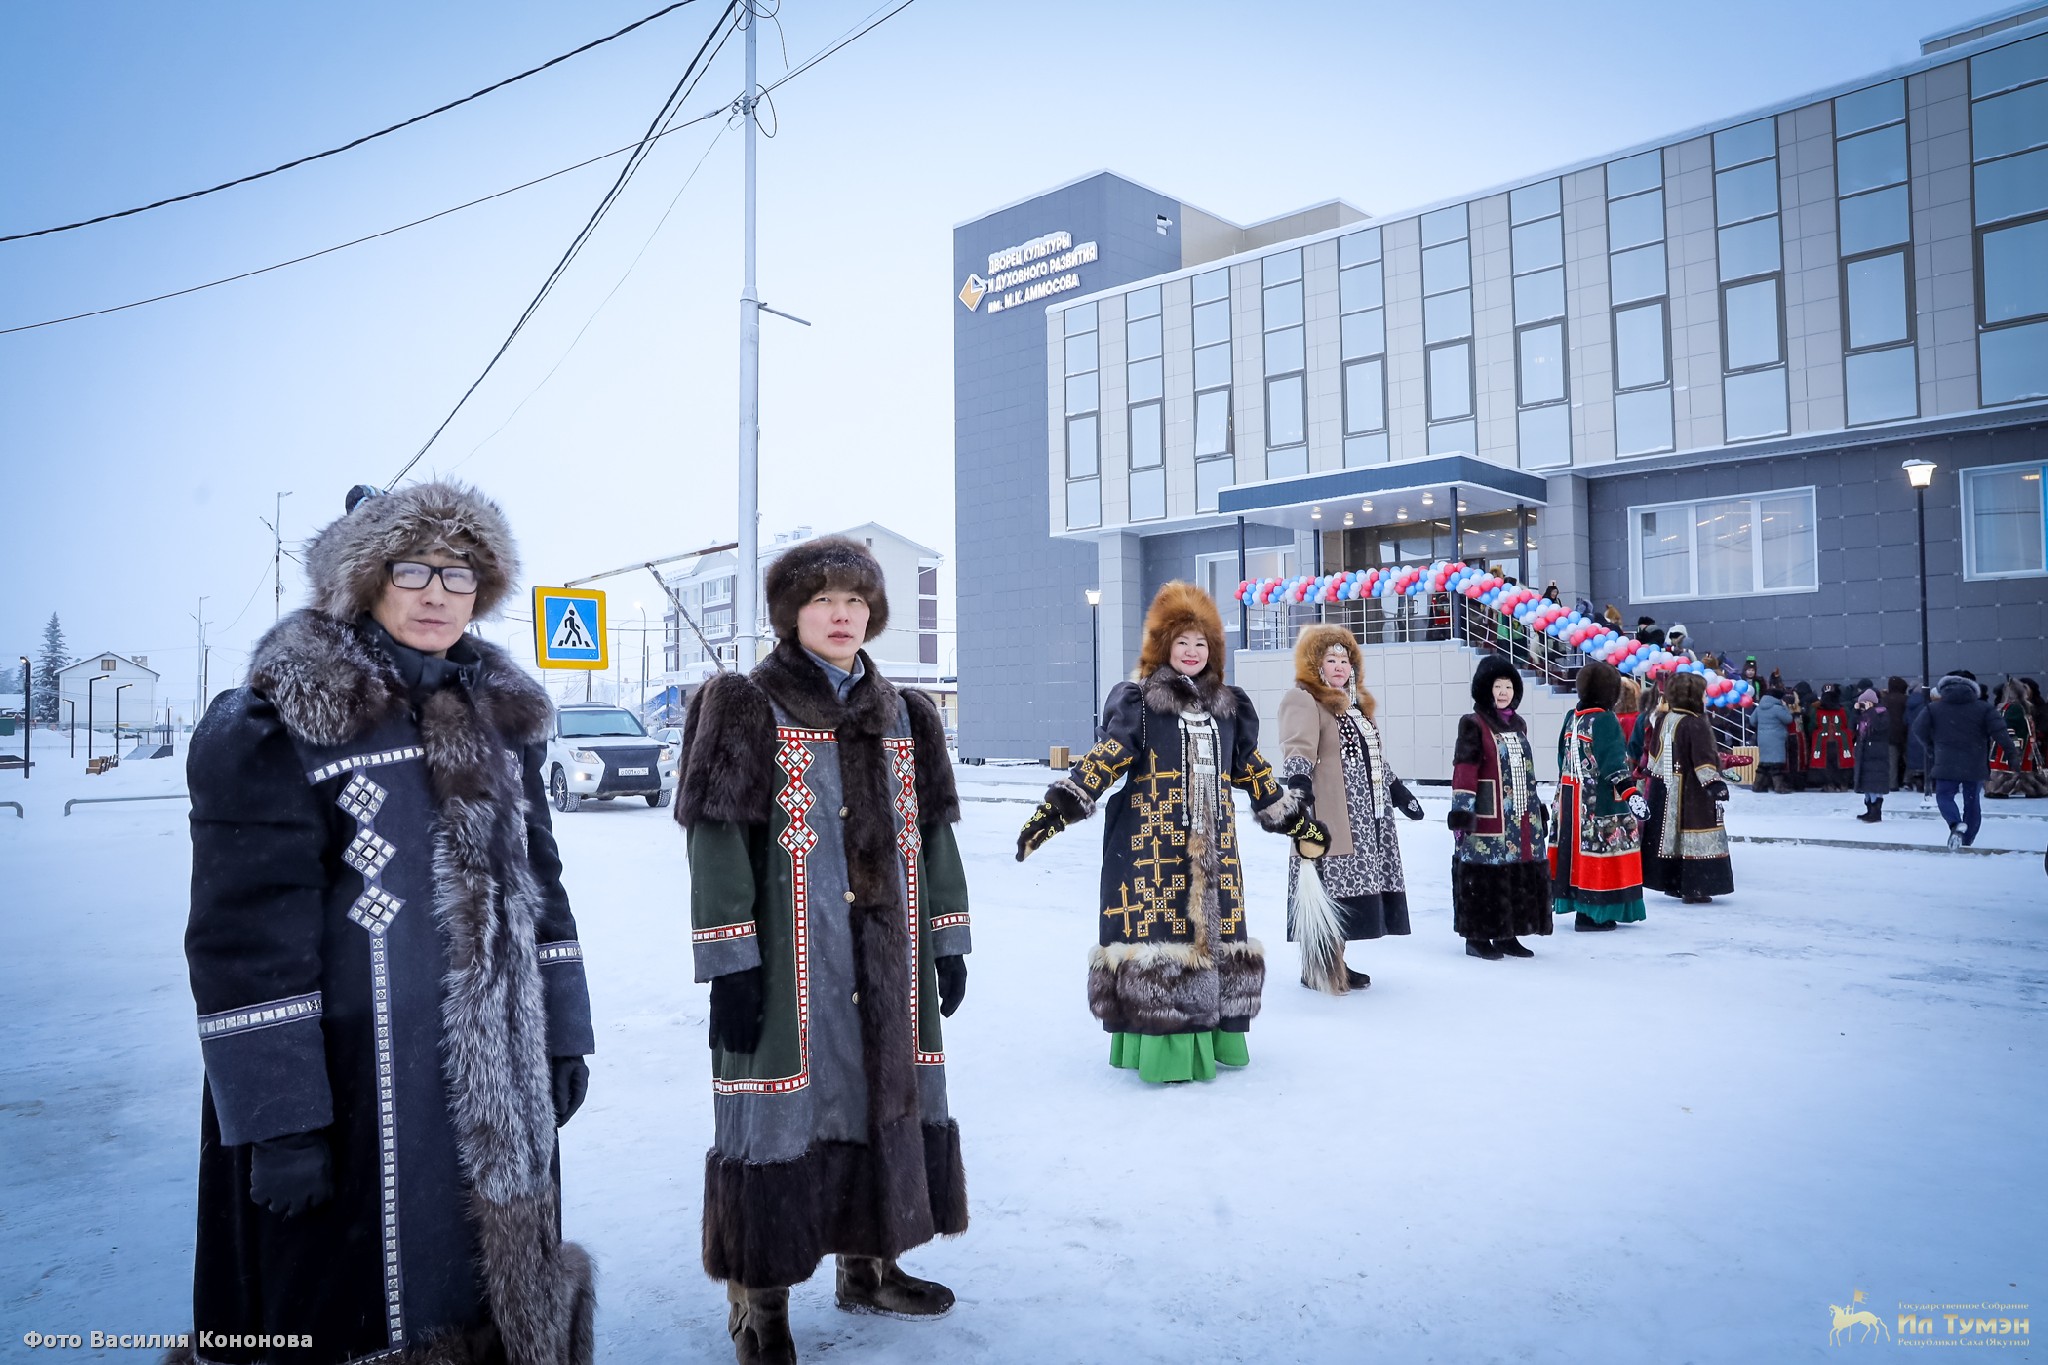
94 767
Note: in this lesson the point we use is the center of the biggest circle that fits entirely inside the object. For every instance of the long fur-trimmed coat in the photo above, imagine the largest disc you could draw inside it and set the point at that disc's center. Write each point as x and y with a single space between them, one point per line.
822 852
381 950
1174 955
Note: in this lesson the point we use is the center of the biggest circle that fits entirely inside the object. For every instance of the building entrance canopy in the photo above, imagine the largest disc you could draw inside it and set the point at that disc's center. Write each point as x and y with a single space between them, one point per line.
1414 490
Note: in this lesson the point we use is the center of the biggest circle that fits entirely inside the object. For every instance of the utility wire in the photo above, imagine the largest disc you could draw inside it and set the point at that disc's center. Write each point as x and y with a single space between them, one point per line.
692 74
350 146
457 208
850 36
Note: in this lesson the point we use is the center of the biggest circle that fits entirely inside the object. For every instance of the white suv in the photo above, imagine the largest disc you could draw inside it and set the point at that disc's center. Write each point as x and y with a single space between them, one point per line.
604 751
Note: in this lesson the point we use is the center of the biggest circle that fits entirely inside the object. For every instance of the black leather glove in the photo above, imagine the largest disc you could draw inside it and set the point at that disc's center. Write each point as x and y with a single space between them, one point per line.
1306 829
1404 800
291 1174
952 971
1045 822
1459 819
736 1010
569 1078
1718 789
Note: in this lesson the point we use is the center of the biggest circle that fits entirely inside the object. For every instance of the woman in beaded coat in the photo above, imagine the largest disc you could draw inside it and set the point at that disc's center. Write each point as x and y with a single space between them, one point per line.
1596 865
1500 887
2022 777
1176 976
1685 850
1331 755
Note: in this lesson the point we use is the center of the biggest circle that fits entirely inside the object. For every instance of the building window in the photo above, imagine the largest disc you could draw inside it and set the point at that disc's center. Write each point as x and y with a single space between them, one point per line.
1744 546
1215 465
1217 576
2009 152
1286 364
2005 521
1084 418
1639 299
1880 372
1542 389
1144 383
1752 290
1447 330
1361 305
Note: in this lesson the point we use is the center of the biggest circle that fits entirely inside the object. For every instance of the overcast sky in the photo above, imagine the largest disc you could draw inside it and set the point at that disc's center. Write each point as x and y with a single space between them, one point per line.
141 449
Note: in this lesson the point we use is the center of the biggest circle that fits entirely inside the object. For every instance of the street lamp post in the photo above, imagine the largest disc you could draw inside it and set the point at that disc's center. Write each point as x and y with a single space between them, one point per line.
96 678
643 659
117 716
1094 596
1920 473
28 714
74 726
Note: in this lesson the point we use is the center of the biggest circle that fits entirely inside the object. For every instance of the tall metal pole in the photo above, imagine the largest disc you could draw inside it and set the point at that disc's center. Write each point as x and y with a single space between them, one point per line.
28 715
748 584
117 716
198 666
1095 663
277 557
1920 499
89 686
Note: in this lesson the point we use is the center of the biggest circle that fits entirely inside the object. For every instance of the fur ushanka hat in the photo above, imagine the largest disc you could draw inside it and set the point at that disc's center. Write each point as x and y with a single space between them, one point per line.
837 563
346 560
1491 669
1599 686
1316 640
1176 609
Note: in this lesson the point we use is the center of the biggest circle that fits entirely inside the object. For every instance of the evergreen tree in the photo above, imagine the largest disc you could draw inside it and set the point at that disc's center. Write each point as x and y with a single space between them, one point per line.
53 657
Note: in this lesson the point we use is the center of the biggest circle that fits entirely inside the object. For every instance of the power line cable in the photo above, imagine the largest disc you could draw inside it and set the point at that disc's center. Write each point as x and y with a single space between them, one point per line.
843 41
723 109
352 145
692 74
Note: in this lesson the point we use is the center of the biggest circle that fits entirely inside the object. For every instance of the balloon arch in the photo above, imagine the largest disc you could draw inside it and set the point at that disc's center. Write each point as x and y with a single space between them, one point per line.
1594 638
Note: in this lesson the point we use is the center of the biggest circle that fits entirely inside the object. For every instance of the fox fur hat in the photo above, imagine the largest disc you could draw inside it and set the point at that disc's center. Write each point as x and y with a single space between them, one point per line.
346 561
809 567
1315 641
1491 669
1599 686
1176 609
1687 692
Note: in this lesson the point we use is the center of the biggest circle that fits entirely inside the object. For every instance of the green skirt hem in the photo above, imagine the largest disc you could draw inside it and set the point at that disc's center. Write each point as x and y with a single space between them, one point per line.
1627 912
1161 1059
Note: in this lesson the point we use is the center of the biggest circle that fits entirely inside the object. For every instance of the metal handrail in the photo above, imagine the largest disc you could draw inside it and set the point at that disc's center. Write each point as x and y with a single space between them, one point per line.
109 800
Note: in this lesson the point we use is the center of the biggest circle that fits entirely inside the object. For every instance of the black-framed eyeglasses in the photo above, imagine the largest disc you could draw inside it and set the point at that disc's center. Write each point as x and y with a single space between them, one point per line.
456 578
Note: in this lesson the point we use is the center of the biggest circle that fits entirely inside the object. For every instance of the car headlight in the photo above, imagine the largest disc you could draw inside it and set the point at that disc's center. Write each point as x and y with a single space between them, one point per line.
584 755
668 753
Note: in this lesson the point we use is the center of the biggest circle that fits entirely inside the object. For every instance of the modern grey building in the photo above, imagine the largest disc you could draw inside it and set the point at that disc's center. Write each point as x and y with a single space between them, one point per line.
1680 378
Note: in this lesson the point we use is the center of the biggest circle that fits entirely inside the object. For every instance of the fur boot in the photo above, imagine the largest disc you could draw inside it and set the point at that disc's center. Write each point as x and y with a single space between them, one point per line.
870 1284
758 1322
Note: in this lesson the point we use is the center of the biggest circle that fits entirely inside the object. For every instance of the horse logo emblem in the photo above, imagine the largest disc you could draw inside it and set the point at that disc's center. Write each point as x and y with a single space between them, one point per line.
1855 1316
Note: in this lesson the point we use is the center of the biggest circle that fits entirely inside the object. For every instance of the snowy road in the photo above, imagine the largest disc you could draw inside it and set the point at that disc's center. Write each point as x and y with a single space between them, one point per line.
1676 1142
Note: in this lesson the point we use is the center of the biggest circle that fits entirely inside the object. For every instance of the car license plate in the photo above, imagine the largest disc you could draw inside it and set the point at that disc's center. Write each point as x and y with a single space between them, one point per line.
632 772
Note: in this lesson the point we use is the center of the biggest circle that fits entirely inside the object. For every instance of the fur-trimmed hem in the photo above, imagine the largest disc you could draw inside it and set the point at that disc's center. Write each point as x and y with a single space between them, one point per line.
768 1224
1165 987
1241 973
1080 795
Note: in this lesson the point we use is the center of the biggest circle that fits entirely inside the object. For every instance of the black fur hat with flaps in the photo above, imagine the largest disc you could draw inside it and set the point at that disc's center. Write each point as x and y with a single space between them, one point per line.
828 563
1491 669
346 560
1599 686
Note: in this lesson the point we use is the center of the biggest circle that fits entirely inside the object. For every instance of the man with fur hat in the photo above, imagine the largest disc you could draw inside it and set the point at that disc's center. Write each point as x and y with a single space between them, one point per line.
1596 860
391 997
829 913
1175 977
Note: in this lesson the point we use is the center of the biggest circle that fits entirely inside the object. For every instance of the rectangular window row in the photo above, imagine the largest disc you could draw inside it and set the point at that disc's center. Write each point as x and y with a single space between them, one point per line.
1215 465
2009 152
2005 521
1145 387
1285 350
1084 417
1742 546
1753 394
1880 372
1543 411
1639 302
1447 331
1362 322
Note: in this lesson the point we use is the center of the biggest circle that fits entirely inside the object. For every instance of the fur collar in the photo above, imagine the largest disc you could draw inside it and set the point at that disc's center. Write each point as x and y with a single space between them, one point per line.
1170 692
800 687
330 682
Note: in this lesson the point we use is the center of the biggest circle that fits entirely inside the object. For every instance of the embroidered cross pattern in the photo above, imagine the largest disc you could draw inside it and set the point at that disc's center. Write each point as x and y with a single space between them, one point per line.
342 765
1101 766
368 852
361 798
375 909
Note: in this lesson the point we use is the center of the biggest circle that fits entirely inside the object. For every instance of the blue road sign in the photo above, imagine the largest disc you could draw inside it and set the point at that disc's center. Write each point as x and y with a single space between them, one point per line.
569 628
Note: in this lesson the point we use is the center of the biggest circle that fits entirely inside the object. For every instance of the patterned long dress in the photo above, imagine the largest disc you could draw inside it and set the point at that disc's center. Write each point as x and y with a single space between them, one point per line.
1685 849
1367 884
1500 887
1596 862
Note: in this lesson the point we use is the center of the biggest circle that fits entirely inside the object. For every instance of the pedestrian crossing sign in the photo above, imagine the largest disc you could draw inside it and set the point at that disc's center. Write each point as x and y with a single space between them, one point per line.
569 628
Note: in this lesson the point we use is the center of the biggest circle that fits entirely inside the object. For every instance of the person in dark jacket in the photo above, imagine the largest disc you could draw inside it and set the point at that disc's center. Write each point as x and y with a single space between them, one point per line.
1959 727
1873 754
1916 746
1775 740
1833 747
1648 632
392 1009
1894 703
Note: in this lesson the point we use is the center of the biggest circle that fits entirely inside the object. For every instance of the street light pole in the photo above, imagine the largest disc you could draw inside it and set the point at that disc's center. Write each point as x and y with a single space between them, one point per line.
748 578
118 690
74 727
28 714
1095 657
1921 473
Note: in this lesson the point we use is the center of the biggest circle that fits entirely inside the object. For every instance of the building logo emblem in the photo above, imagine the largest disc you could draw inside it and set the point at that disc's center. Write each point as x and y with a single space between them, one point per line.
1853 1317
971 292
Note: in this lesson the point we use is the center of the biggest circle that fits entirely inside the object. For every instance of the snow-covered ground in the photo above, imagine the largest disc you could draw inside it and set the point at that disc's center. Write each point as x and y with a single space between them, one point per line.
1677 1142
